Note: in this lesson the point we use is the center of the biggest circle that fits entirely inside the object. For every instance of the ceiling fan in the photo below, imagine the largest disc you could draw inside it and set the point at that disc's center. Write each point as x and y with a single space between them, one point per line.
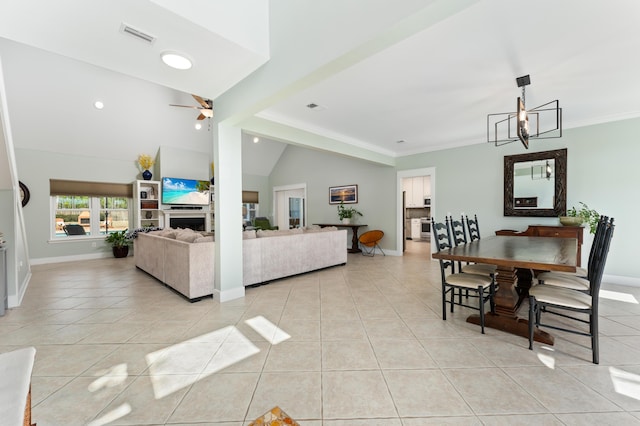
206 108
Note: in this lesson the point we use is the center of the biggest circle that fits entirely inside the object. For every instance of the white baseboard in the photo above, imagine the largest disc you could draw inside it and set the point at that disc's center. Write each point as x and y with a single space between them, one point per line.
617 279
16 300
61 259
227 295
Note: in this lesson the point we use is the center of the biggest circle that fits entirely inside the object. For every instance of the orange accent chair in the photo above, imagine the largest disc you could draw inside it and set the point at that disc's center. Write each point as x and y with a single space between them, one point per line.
369 242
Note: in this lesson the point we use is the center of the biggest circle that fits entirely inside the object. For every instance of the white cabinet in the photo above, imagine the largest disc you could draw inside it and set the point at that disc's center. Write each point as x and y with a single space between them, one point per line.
416 189
146 204
418 192
416 229
407 187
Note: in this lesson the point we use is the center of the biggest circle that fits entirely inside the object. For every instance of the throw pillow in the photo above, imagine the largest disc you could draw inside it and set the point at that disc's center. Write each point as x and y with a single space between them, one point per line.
187 237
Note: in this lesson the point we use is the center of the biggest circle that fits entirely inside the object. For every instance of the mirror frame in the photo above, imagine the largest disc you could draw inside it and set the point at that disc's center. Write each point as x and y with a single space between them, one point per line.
560 197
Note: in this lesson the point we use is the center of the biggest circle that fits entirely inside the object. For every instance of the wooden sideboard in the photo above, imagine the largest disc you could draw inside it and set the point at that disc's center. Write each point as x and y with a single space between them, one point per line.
552 232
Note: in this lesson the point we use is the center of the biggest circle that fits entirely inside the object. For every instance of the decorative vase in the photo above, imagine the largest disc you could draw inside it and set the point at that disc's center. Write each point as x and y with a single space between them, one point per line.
146 175
571 220
346 220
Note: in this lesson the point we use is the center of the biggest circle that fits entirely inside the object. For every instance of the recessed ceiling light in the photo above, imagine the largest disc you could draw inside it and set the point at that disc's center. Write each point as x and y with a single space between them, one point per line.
98 104
198 126
176 60
256 139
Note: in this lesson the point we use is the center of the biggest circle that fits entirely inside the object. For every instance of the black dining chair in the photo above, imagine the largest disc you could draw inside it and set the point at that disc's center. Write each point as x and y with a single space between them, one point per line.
580 279
459 236
472 227
479 286
548 299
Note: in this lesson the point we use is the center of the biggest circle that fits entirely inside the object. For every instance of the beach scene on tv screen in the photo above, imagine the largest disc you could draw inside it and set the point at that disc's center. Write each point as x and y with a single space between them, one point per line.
185 191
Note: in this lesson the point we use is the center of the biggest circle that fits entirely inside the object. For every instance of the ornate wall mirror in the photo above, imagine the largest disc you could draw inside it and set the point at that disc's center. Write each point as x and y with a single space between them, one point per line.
536 184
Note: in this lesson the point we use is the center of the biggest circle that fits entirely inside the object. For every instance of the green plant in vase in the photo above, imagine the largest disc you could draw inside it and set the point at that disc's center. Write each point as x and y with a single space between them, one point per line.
120 242
347 213
585 215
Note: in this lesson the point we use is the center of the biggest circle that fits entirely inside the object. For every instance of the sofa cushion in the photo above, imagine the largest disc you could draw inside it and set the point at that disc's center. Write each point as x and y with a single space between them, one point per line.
273 233
207 239
187 237
189 230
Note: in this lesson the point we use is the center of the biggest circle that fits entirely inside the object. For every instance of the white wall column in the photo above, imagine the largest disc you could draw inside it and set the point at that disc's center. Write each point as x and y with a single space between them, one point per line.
228 209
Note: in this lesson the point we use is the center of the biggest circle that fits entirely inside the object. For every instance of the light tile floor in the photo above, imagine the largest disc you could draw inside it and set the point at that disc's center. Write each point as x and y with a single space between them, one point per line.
362 344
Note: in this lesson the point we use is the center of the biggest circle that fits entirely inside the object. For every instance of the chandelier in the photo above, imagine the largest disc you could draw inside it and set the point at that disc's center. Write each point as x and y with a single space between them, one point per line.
542 122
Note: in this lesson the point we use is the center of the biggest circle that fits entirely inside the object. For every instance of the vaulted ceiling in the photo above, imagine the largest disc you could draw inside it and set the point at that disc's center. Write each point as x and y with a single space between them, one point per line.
424 72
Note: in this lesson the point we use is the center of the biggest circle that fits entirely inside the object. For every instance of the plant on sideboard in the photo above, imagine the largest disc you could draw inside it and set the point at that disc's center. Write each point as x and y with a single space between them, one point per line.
588 216
347 213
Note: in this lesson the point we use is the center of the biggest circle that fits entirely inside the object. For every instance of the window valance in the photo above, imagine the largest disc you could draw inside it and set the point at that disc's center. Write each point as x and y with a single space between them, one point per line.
92 189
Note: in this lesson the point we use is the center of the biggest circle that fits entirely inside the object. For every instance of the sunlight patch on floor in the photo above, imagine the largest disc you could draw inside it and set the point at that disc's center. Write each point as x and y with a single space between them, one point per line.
625 383
178 366
110 378
547 359
619 296
112 415
271 332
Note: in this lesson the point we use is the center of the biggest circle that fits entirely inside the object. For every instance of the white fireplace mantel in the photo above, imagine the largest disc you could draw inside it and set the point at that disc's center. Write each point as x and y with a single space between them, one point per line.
200 213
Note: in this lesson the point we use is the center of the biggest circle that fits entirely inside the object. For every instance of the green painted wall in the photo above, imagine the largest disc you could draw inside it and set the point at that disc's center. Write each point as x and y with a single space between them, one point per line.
320 170
602 171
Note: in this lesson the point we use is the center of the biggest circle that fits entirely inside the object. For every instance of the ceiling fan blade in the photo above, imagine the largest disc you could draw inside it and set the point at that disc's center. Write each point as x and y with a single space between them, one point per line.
201 117
201 101
207 112
185 106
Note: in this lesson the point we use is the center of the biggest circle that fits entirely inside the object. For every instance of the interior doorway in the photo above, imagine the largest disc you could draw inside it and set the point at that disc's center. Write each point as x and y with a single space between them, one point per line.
415 206
290 206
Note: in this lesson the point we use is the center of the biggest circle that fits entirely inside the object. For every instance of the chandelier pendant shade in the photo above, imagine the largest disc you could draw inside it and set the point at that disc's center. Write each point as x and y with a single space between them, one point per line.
542 122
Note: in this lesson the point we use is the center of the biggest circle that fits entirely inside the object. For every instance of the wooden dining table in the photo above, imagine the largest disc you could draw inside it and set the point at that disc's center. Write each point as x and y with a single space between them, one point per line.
515 257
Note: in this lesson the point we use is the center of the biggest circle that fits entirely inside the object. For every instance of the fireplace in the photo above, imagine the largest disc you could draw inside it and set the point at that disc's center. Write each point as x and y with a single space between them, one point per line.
195 223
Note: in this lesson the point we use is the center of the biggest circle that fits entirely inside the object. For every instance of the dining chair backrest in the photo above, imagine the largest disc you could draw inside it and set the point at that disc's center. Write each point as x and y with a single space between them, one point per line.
598 240
443 241
473 228
443 237
457 231
600 259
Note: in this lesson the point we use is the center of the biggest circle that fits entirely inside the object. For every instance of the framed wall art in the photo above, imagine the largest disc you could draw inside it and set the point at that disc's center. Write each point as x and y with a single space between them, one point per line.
347 194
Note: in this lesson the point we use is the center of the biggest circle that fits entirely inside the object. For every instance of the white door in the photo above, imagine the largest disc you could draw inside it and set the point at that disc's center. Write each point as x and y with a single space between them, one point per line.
290 208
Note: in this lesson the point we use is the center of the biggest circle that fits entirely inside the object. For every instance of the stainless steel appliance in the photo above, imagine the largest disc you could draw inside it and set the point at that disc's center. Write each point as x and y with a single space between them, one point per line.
425 228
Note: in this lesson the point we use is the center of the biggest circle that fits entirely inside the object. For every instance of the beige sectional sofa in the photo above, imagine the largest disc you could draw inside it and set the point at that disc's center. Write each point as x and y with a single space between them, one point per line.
184 259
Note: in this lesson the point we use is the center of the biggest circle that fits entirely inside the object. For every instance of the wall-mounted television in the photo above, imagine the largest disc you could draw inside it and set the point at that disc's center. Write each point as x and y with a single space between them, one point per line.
187 192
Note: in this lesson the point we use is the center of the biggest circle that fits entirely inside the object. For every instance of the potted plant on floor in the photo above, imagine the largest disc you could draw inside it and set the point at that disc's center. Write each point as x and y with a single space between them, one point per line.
120 242
347 213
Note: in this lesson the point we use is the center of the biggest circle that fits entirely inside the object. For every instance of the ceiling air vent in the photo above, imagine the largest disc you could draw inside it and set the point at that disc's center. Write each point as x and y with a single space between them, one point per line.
315 107
134 32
